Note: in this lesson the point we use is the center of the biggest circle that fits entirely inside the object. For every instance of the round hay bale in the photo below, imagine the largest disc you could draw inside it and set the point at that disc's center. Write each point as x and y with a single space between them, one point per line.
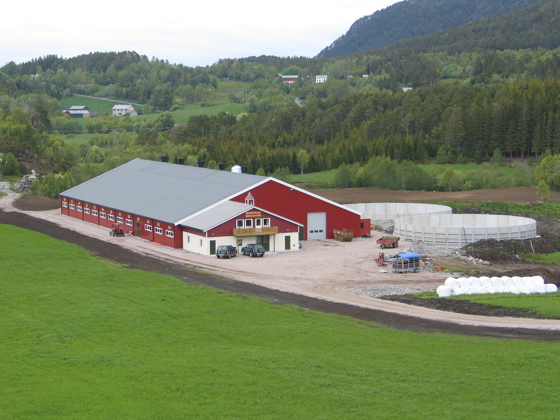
497 282
475 281
551 288
443 291
538 280
539 288
486 282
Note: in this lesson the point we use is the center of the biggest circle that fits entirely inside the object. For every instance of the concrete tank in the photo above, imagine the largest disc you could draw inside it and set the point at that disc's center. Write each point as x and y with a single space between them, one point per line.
391 211
459 230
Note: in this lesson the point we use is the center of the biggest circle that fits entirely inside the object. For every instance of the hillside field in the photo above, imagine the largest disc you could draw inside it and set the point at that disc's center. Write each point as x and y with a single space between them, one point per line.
82 337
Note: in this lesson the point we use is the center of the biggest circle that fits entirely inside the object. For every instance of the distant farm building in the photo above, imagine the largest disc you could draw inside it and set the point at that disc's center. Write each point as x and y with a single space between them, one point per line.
77 111
198 209
321 78
122 110
289 78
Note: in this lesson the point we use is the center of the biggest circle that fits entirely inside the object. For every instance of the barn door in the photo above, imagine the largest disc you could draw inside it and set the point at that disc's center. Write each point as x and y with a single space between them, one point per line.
316 226
287 243
212 247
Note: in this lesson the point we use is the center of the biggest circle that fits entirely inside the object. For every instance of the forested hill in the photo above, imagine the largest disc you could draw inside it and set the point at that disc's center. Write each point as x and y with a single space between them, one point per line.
412 18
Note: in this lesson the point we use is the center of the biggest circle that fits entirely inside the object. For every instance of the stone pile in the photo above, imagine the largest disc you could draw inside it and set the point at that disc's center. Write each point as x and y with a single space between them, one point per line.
24 185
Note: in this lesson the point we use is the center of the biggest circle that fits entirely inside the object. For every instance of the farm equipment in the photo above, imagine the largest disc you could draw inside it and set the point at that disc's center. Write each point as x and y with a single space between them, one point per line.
116 230
406 263
388 241
381 260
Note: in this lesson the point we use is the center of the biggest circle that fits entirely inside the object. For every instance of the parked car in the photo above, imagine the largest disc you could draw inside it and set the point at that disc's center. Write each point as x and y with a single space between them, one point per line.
226 251
254 250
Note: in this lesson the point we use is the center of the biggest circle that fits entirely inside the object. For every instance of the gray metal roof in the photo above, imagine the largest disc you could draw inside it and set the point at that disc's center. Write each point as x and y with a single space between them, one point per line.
163 191
217 215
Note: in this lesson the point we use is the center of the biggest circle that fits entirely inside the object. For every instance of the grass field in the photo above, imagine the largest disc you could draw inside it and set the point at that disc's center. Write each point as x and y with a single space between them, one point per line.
83 338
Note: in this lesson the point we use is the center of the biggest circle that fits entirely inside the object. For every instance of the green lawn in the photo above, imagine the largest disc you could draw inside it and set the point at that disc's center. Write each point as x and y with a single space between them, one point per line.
83 338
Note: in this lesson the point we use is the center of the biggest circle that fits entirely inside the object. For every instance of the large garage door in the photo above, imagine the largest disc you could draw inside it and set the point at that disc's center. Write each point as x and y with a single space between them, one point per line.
316 226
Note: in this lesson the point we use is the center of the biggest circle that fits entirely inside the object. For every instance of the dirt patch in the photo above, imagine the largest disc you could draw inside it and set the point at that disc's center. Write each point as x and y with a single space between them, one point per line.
32 203
464 307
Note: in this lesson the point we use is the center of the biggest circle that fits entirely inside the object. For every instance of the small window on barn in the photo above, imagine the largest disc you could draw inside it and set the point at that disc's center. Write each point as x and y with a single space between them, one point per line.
258 223
169 233
79 208
112 217
72 206
248 223
159 231
129 222
64 204
120 219
362 225
148 227
266 222
94 213
103 215
240 223
86 210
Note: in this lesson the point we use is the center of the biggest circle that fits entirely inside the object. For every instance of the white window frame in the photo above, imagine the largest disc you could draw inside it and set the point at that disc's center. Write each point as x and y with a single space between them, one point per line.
169 233
94 213
128 222
240 224
248 223
72 207
266 222
64 204
112 217
120 219
103 215
159 231
148 227
258 223
86 210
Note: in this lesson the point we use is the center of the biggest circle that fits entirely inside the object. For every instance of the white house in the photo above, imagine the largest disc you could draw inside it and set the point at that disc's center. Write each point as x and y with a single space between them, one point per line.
321 78
120 110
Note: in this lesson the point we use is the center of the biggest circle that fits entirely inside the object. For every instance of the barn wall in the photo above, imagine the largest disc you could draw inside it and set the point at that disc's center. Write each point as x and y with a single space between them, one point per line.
294 205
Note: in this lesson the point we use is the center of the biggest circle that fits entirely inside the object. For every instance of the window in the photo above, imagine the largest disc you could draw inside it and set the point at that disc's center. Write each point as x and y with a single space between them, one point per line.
258 223
148 228
169 233
102 215
86 210
64 204
159 231
72 206
94 213
240 223
266 222
112 217
248 223
120 219
129 222
79 208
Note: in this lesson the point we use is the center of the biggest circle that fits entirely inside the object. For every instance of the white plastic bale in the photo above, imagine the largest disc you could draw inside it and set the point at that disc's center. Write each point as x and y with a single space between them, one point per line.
464 282
481 290
508 282
443 291
448 281
538 280
486 282
526 290
471 290
491 290
515 290
539 288
518 281
551 288
475 281
497 282
528 281
454 285
503 289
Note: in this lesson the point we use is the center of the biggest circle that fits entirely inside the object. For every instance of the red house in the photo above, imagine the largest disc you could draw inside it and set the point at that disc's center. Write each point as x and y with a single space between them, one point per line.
198 209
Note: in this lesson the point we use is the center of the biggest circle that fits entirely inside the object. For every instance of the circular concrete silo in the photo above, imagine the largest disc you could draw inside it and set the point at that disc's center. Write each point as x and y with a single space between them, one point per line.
380 213
459 230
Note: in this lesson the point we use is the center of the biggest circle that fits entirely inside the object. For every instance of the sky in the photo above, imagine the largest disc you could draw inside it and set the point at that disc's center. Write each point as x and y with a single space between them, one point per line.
192 33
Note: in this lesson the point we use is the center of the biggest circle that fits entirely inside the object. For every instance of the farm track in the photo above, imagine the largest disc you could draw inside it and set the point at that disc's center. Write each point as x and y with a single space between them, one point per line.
164 265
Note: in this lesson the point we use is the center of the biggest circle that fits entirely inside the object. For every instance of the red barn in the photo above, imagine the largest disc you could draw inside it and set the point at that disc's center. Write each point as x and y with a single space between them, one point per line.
198 209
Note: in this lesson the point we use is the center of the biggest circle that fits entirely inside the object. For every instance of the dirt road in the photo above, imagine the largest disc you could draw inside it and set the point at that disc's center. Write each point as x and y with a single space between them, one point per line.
321 276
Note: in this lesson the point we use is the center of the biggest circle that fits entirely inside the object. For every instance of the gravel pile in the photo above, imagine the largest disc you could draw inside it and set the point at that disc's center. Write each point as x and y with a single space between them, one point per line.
423 248
386 225
378 291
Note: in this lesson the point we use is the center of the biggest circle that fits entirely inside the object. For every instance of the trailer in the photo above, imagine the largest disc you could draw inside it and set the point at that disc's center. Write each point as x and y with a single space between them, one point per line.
388 241
116 230
406 263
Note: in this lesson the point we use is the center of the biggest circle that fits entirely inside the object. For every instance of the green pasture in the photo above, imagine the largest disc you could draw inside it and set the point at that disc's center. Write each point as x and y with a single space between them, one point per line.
101 106
84 338
182 115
